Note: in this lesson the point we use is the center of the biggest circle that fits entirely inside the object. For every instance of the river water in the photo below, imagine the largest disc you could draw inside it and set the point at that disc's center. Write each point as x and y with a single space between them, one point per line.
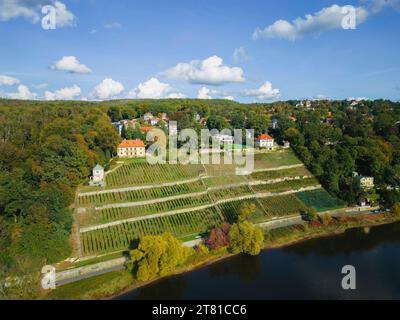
308 270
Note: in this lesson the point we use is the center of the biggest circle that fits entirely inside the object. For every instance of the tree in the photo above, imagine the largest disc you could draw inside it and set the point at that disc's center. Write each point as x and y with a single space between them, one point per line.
309 214
246 238
246 210
158 255
396 209
219 237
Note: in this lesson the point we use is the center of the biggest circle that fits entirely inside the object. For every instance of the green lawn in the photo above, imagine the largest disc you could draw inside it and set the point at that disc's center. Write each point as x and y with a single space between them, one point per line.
320 200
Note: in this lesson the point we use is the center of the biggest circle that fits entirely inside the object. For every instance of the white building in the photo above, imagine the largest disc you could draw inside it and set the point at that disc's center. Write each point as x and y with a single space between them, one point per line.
265 141
223 138
98 176
131 149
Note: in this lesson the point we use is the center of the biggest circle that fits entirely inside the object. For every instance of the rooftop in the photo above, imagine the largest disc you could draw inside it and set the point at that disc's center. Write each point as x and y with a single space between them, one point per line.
131 144
264 137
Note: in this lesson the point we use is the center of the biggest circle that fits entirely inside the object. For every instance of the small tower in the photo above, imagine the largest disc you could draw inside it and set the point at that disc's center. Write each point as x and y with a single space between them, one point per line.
98 175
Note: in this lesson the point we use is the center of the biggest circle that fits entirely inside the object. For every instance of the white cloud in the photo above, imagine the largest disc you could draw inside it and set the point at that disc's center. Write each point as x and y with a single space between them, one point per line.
31 10
329 18
71 64
154 89
68 93
112 25
64 17
23 93
8 81
204 93
239 54
210 71
265 92
108 89
229 98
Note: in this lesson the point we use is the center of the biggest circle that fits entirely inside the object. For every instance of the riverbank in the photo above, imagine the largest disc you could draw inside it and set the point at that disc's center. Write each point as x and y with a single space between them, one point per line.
117 283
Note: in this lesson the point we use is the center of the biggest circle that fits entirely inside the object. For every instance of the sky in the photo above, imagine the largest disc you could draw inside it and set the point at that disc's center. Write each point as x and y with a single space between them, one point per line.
243 50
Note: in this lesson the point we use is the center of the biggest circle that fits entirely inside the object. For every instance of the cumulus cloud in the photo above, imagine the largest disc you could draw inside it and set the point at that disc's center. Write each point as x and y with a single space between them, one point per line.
64 17
108 89
31 10
329 18
265 92
71 65
204 93
8 81
211 71
153 89
22 93
68 93
239 54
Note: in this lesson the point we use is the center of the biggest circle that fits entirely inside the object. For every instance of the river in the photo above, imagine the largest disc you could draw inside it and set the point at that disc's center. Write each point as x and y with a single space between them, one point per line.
307 270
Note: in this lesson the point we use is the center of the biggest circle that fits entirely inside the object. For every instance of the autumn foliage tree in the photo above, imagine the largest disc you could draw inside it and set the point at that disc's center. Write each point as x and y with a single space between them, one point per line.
158 256
219 237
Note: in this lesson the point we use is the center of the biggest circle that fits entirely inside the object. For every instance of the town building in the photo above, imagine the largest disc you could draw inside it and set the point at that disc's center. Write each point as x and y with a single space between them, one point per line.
365 182
274 123
265 141
154 121
131 149
223 138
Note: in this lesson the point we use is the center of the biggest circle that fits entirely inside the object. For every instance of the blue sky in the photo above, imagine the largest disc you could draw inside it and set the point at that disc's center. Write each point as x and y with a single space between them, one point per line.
185 48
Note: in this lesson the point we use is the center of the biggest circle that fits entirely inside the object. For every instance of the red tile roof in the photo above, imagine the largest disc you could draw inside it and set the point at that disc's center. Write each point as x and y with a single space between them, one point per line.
131 144
146 128
265 137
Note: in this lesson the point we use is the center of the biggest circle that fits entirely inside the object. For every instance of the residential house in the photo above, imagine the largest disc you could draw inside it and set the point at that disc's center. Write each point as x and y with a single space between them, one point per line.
265 141
365 182
286 144
223 138
131 149
154 121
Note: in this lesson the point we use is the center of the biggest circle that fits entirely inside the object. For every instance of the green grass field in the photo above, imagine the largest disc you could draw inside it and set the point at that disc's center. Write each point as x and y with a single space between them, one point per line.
275 159
320 200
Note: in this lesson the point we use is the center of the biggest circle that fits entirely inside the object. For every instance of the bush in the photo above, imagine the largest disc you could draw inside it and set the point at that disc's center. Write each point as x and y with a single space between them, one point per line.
309 214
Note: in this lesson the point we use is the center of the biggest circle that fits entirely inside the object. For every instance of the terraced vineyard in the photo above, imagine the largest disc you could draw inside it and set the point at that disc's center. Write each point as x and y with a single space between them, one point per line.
220 194
217 186
115 214
285 185
139 195
230 210
224 180
280 206
278 174
275 159
121 237
144 173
